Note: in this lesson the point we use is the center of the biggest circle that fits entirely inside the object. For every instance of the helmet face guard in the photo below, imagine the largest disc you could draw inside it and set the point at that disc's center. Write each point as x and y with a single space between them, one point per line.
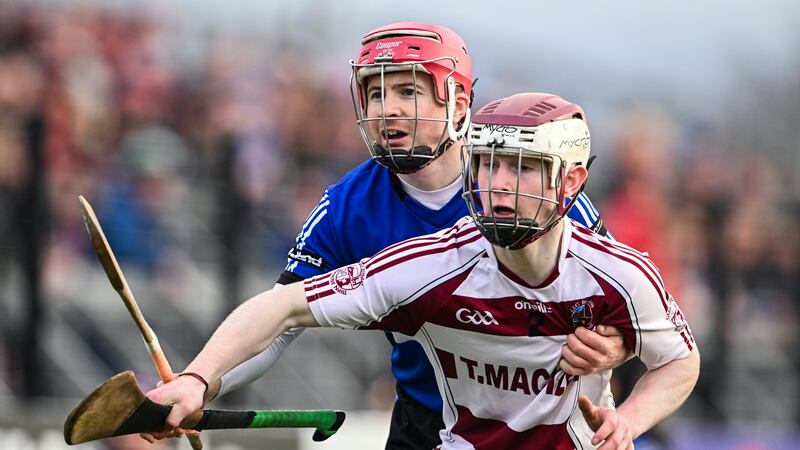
525 131
402 160
416 48
517 231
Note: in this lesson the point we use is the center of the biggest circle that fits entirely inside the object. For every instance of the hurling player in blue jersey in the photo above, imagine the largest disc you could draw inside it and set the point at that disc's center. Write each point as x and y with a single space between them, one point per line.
412 89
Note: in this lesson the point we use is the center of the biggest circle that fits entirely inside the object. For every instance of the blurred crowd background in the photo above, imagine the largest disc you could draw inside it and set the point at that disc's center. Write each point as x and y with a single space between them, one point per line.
204 142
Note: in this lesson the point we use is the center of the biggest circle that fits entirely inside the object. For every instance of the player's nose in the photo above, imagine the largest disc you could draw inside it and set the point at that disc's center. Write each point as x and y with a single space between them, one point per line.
393 106
504 179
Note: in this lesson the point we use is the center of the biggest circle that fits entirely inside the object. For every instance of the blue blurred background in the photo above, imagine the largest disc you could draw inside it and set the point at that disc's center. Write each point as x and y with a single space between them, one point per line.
203 133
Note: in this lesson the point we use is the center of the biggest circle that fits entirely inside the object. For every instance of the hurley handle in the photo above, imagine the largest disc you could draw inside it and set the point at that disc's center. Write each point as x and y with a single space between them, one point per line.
326 422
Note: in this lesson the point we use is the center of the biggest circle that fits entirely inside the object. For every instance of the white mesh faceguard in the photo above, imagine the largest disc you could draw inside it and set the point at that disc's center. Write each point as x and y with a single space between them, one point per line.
555 145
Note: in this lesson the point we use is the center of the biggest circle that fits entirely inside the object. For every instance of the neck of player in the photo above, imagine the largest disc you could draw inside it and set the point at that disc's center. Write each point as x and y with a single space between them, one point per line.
537 260
441 173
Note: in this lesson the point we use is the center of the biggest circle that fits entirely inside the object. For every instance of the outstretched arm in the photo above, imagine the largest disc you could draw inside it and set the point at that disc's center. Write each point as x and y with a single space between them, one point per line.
657 395
315 253
254 368
247 331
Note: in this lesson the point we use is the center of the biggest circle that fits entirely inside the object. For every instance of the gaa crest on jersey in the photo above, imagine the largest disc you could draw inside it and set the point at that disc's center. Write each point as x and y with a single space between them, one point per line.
582 314
347 278
475 317
675 315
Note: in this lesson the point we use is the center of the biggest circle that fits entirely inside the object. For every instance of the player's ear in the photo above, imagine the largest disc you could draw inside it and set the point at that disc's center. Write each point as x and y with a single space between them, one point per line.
576 176
462 105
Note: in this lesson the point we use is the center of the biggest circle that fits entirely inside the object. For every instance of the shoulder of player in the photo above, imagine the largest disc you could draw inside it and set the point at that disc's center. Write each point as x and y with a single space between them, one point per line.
463 231
321 228
583 211
362 192
360 179
609 258
463 235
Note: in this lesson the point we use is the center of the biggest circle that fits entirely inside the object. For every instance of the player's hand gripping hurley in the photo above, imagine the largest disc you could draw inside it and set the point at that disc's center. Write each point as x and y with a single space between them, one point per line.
117 279
118 407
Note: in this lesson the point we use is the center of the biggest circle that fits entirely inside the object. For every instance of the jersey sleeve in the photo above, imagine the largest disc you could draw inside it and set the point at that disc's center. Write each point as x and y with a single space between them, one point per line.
652 324
315 249
398 289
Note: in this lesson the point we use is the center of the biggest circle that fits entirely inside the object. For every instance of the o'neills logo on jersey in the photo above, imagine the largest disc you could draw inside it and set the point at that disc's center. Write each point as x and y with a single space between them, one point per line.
347 278
534 305
475 317
582 314
388 45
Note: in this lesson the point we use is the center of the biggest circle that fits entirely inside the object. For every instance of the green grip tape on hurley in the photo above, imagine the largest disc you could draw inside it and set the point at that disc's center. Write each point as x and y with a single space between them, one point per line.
294 419
326 421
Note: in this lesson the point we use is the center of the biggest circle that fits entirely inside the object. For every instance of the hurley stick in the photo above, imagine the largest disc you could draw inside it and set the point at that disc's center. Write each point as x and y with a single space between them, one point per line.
117 279
118 407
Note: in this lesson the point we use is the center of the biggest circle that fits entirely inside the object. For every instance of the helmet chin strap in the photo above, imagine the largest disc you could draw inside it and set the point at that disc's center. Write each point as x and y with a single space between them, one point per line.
404 161
512 234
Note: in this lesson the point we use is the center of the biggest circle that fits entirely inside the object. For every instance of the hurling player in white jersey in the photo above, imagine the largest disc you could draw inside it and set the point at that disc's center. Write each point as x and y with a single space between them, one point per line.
493 298
412 89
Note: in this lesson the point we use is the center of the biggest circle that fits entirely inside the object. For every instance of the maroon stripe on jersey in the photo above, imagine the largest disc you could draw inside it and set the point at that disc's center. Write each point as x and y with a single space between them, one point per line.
318 281
417 242
427 246
427 238
428 251
390 264
317 296
637 263
687 340
615 312
630 252
409 317
379 258
686 334
493 434
447 361
518 316
635 254
625 249
617 246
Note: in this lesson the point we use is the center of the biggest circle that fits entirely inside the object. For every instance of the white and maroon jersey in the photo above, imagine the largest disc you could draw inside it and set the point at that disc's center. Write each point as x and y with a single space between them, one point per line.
494 340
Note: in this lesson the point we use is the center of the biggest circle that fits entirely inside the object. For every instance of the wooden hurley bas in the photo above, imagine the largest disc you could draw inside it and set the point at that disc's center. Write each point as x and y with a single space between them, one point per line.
118 407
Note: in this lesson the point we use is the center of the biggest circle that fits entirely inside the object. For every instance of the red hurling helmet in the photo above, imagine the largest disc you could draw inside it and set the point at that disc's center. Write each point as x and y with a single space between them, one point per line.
419 48
534 128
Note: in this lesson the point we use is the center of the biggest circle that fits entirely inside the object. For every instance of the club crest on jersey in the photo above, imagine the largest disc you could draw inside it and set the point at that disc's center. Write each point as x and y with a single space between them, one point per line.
675 315
347 278
582 314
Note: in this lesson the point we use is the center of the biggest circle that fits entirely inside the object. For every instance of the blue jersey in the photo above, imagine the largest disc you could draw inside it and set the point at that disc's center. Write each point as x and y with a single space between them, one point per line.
365 212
